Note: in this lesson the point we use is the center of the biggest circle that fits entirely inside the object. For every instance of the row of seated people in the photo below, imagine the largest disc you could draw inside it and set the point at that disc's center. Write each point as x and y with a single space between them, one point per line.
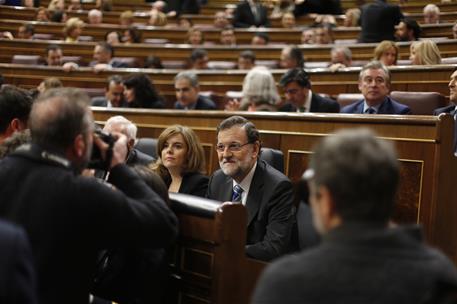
266 193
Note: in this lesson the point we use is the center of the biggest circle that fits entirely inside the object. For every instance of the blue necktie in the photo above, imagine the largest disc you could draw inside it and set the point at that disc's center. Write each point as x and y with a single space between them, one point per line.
370 111
236 196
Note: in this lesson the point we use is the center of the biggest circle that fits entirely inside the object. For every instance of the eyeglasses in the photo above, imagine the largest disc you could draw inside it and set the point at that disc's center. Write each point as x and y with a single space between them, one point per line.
233 147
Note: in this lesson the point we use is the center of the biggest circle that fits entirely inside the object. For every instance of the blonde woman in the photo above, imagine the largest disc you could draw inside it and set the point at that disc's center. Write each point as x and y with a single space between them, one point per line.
386 52
424 52
181 161
73 29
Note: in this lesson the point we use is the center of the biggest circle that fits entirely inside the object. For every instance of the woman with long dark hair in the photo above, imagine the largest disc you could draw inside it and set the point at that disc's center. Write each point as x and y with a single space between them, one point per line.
139 92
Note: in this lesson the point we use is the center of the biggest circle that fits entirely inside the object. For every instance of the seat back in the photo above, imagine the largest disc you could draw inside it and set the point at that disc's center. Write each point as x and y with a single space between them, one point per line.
26 59
221 65
131 62
147 146
420 103
348 98
273 157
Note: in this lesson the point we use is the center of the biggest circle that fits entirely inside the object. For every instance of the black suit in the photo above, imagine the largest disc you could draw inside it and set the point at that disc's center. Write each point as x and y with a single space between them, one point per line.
69 218
448 109
378 21
102 101
319 104
136 157
243 16
271 213
329 7
194 183
17 276
202 103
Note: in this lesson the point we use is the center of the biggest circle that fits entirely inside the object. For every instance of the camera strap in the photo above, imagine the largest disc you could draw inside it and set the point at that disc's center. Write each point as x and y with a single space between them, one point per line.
37 153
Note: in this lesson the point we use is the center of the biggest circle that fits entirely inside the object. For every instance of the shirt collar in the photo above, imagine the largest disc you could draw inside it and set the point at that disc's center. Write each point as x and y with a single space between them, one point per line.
376 107
246 184
307 103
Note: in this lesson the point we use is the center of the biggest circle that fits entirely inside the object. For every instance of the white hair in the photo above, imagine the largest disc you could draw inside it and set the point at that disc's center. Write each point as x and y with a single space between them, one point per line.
127 127
259 87
95 13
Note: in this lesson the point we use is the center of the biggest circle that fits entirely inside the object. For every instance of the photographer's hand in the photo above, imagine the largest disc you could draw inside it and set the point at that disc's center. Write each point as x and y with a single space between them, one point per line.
120 150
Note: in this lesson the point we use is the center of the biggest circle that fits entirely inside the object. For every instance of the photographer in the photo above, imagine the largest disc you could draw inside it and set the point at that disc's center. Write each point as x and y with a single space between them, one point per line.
69 217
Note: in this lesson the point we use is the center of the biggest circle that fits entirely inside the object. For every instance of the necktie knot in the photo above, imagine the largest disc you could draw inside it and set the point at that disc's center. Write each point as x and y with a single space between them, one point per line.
370 111
236 196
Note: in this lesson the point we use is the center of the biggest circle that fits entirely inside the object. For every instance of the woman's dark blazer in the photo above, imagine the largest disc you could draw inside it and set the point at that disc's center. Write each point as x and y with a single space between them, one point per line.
194 183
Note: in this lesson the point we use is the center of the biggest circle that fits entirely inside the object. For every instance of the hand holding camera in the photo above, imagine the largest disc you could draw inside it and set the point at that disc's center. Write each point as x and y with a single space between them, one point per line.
108 150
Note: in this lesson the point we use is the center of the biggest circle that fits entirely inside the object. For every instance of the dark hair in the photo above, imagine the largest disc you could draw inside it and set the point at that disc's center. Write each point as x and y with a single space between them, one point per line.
58 116
153 62
52 47
297 55
146 95
298 75
135 34
153 180
198 54
106 47
57 16
264 36
361 173
14 103
117 79
412 24
248 54
29 28
252 133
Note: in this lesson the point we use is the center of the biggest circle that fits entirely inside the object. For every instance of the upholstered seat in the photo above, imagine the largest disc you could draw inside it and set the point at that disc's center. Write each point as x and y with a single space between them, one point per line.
420 103
26 59
273 157
348 98
147 146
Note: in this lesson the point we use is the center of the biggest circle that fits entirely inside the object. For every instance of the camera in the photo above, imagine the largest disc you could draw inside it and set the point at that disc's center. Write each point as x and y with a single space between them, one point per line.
96 160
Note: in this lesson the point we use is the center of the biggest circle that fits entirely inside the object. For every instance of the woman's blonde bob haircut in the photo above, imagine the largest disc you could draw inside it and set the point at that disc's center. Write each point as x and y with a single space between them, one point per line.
383 47
195 155
426 52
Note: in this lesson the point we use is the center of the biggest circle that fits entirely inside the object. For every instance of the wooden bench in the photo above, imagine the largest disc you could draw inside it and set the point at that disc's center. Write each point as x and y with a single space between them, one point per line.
176 35
413 79
424 144
209 264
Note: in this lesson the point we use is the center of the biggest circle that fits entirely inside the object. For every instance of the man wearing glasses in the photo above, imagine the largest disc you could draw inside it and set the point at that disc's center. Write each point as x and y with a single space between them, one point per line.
300 98
266 192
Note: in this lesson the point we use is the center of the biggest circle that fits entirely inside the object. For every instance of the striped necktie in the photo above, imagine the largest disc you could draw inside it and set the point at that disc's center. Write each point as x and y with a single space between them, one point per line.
236 195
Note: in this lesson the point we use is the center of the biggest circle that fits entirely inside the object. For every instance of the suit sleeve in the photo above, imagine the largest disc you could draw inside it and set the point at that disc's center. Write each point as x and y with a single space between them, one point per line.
131 215
281 218
199 185
22 283
238 17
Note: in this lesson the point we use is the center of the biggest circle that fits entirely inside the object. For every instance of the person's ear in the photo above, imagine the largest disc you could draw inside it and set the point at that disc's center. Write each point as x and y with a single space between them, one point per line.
256 149
131 143
330 216
16 125
79 146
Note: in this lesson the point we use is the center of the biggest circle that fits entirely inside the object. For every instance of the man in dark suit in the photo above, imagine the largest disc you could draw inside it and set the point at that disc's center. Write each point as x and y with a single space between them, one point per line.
75 216
250 13
266 192
122 125
378 21
103 58
114 94
300 98
17 276
353 178
323 7
187 93
15 105
451 109
374 83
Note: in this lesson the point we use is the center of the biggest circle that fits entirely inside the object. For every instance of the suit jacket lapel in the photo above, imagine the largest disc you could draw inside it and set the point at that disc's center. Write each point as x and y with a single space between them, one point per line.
255 192
314 104
360 107
226 190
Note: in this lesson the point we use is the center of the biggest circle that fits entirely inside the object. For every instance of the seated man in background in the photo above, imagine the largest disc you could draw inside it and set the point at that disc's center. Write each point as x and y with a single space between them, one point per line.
95 16
250 13
198 59
103 57
187 93
408 30
291 57
15 106
300 98
25 31
221 20
260 39
353 179
120 124
246 60
374 83
341 57
266 192
114 94
228 36
431 14
54 57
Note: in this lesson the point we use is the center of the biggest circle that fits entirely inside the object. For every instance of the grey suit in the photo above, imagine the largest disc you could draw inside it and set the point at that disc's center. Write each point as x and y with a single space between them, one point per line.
271 213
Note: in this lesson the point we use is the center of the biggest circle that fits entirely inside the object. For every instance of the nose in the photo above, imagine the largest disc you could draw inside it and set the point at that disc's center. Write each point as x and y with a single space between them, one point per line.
452 83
